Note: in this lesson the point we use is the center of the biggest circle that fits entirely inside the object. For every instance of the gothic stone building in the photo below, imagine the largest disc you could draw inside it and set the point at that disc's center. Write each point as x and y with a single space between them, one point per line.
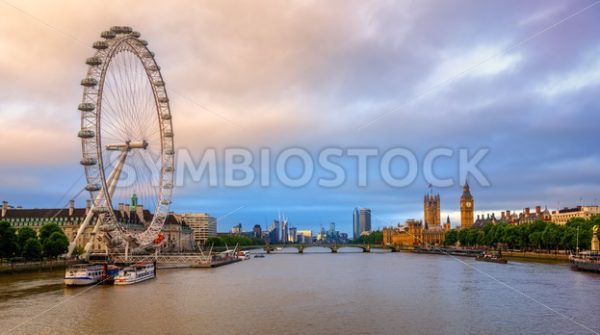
467 207
420 233
177 234
415 233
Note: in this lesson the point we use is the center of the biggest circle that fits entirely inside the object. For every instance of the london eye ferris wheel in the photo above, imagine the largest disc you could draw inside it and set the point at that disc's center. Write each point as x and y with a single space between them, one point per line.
126 138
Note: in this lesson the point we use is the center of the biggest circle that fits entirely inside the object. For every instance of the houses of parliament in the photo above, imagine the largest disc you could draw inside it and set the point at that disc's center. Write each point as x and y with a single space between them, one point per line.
430 231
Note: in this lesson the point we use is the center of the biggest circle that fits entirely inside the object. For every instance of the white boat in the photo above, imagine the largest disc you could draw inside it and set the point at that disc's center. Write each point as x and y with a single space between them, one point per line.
83 274
134 274
243 255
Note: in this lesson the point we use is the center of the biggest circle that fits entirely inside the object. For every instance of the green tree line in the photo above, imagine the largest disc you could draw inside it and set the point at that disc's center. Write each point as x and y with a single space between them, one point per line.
375 237
25 243
532 236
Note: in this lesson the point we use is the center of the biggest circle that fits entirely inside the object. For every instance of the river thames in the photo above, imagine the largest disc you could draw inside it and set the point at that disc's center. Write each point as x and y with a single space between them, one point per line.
316 293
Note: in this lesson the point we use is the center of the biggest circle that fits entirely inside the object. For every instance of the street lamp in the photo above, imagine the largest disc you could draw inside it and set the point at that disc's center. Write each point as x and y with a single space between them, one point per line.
577 246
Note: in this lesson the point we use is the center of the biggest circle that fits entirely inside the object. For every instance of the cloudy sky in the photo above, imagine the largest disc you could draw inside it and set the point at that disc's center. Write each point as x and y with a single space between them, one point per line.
520 78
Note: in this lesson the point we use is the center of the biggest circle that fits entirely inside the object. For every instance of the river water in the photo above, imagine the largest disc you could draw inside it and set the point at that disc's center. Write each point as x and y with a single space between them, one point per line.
316 293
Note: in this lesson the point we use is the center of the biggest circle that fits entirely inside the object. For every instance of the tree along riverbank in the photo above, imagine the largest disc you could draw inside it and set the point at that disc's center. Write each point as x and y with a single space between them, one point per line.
576 234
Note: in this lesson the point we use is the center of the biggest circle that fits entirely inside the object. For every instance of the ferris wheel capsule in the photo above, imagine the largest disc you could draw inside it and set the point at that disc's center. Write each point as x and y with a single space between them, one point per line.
108 34
88 161
121 29
86 133
89 82
100 45
92 187
93 61
86 107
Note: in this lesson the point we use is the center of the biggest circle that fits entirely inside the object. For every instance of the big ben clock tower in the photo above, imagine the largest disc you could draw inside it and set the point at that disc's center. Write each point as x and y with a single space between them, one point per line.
466 207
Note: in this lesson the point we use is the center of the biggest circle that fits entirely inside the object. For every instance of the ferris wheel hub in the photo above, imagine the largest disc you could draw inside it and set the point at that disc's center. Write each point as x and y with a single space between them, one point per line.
128 146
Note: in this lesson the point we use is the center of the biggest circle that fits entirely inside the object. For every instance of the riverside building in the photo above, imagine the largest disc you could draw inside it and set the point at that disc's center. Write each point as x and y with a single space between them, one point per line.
177 234
364 221
420 233
561 216
202 224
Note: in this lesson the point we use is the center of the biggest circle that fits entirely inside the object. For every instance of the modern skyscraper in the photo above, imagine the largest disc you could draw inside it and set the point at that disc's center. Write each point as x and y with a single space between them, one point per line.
292 235
284 237
355 224
274 232
466 207
431 210
257 230
284 231
364 220
332 235
237 229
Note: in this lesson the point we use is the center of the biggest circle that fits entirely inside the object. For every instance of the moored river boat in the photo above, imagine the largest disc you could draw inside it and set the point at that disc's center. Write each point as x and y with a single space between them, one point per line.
135 273
491 258
88 274
83 274
585 261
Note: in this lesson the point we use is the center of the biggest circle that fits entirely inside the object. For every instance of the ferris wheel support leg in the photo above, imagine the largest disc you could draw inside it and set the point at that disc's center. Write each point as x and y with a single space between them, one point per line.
89 243
126 251
90 214
113 179
85 223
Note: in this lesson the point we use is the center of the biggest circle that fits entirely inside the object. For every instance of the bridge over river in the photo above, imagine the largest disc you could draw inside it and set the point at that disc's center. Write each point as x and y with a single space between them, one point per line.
333 247
222 255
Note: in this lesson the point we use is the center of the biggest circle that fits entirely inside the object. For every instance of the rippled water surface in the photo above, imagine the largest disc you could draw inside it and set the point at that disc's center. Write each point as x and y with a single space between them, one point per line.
316 293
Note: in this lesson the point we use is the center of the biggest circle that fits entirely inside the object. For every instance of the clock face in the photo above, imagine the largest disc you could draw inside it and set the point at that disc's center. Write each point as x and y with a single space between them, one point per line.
468 204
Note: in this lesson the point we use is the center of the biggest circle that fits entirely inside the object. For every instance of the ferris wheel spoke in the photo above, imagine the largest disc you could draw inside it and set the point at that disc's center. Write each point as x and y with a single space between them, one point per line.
133 108
136 96
147 190
121 105
110 125
115 92
152 131
124 70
